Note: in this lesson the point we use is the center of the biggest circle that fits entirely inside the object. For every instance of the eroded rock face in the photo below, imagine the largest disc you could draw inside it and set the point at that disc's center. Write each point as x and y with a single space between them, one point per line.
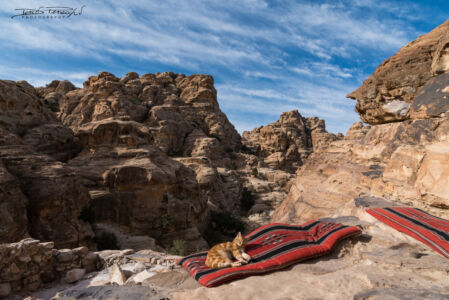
71 157
390 93
286 143
403 161
161 109
40 196
130 128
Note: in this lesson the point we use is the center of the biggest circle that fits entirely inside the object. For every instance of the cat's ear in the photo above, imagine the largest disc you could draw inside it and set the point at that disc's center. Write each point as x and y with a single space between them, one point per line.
239 235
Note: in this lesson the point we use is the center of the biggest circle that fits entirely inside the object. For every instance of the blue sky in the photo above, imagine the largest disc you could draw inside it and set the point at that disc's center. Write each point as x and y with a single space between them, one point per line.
267 57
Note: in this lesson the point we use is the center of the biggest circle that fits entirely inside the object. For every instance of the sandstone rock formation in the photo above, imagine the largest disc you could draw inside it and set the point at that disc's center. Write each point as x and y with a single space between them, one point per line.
286 143
73 157
40 195
401 161
404 161
389 94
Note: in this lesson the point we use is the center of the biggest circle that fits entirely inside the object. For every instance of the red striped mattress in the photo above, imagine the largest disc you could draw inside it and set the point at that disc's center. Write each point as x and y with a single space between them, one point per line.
273 247
430 230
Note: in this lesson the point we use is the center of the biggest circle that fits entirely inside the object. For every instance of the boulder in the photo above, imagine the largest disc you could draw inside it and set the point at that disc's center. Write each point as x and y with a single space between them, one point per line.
74 275
116 275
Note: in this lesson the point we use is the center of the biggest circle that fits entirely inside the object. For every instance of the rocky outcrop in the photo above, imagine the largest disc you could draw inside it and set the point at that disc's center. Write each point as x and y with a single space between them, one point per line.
405 161
131 129
163 109
402 161
147 155
286 143
393 164
390 93
39 194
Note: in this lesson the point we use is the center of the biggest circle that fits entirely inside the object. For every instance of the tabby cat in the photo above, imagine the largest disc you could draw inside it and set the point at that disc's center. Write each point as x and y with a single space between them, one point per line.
221 255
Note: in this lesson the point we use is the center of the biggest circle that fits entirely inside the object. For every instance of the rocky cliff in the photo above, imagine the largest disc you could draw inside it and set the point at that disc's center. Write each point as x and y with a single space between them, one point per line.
391 93
286 143
146 159
117 151
404 159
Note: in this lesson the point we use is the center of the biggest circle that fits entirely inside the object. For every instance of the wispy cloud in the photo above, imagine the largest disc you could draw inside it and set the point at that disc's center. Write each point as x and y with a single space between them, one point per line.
266 56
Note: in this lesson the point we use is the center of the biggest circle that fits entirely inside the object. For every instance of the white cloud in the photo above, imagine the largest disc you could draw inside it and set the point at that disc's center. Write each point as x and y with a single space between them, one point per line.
269 57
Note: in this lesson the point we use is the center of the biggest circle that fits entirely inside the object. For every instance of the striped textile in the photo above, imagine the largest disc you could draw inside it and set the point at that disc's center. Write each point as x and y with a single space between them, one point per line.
272 247
430 230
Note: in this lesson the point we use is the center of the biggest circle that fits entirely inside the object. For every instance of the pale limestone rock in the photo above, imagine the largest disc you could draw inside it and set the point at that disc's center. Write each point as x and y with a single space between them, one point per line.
74 275
141 276
116 275
397 107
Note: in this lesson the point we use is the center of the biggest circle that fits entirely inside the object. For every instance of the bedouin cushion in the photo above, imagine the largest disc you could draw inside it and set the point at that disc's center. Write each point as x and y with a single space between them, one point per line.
272 247
424 227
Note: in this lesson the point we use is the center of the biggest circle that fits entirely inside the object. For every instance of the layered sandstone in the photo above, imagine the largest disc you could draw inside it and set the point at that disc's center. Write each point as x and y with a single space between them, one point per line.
137 153
402 161
390 93
286 143
40 195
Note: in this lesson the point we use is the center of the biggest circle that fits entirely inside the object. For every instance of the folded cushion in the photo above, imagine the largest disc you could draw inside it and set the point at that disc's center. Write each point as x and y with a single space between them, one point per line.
272 247
424 227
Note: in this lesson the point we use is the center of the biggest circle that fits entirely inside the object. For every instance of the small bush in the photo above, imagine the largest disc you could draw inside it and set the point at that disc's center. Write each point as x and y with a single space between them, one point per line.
232 165
163 222
178 248
162 225
254 172
106 241
187 153
87 214
246 199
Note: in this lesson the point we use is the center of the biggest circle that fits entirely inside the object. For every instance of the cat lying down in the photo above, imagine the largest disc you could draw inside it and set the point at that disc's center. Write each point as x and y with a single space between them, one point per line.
221 255
270 247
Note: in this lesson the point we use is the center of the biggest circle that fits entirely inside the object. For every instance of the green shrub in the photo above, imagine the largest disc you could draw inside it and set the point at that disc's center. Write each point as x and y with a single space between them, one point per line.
232 165
187 153
106 241
246 199
163 222
254 172
178 248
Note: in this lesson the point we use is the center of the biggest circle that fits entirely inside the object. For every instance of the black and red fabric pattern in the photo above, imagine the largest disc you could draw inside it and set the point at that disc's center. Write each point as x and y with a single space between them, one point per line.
272 247
424 227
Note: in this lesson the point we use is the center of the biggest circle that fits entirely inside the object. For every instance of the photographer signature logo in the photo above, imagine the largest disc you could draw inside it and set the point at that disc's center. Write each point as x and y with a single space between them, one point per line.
49 12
